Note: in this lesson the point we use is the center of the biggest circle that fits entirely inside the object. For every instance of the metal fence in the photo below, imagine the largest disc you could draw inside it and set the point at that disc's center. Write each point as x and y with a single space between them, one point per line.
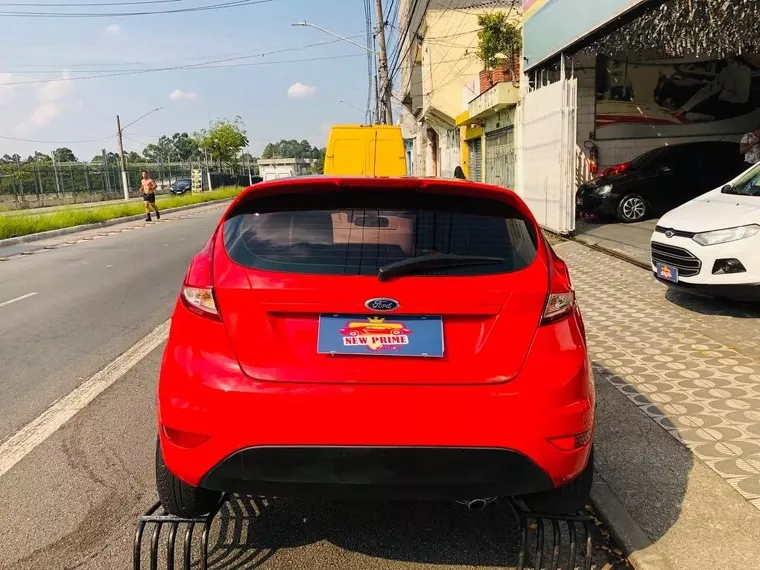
37 179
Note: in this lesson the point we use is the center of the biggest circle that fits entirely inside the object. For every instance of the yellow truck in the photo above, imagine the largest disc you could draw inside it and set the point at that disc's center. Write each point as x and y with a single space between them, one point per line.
365 150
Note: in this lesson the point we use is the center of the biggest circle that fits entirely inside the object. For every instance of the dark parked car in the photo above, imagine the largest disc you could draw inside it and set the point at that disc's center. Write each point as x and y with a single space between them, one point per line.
181 185
659 180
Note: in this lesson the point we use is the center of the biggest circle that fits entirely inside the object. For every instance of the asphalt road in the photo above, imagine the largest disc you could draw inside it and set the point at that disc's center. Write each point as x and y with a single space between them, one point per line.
72 502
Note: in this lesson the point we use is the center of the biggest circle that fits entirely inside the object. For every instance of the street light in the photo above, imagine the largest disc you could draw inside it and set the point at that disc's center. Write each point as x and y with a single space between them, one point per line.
306 24
122 160
352 105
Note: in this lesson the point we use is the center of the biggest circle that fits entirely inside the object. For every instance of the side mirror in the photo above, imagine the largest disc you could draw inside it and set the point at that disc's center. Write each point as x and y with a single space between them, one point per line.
726 189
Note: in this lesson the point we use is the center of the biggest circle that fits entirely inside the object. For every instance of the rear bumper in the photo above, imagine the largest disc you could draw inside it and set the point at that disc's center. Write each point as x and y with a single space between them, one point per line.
372 440
433 473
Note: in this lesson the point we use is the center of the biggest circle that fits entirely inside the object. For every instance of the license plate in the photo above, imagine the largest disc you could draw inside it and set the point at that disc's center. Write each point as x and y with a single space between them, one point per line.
667 272
380 336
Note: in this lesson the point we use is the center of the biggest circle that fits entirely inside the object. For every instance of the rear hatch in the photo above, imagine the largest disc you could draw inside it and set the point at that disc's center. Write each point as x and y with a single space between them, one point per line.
458 282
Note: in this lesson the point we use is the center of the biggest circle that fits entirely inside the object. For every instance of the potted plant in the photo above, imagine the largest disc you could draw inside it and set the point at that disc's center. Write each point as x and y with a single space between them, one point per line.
499 48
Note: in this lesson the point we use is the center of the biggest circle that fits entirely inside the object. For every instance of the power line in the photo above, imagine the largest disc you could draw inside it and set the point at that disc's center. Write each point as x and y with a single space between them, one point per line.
400 57
11 68
56 142
205 65
231 4
84 4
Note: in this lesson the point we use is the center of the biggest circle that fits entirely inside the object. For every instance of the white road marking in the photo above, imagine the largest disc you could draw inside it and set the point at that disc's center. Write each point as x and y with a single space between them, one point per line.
109 265
4 303
20 444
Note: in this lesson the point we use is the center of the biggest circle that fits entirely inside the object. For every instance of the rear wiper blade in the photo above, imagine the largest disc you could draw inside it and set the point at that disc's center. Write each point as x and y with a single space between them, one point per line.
435 261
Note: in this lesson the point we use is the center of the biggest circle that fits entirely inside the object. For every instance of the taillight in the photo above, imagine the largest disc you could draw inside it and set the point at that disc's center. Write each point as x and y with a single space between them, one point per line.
560 301
200 300
617 169
197 291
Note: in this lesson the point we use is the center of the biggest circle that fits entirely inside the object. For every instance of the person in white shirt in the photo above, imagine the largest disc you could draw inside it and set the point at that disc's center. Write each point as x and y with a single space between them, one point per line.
732 85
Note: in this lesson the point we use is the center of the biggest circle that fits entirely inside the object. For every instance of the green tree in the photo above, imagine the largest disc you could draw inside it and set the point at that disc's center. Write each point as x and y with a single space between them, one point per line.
290 149
318 166
64 154
223 140
162 149
498 35
184 147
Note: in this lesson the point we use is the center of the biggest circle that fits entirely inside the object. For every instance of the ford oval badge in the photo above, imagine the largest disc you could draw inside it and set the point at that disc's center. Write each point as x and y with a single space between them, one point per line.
382 304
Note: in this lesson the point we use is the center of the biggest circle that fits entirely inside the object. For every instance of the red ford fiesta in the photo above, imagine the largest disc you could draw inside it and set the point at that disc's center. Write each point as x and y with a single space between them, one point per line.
376 338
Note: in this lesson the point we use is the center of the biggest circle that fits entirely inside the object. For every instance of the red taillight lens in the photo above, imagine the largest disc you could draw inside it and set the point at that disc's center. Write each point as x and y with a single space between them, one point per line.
560 301
572 442
617 169
184 439
197 291
200 300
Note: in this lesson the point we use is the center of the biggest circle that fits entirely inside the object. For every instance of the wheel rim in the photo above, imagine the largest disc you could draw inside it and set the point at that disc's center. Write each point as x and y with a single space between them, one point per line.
634 208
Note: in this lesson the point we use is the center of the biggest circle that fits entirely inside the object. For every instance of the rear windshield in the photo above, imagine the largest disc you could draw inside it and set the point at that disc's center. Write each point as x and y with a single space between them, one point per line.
358 233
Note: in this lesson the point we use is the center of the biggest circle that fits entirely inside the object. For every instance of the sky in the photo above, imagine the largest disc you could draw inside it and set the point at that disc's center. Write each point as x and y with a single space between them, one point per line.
45 97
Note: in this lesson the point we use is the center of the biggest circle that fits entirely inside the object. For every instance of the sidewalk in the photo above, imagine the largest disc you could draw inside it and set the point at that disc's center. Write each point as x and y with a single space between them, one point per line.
630 240
678 429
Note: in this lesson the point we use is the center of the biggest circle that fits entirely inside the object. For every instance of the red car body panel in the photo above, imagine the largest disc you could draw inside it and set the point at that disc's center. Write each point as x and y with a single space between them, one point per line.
253 377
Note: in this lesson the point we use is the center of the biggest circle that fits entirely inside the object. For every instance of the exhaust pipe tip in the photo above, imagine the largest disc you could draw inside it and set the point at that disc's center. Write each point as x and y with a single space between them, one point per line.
477 504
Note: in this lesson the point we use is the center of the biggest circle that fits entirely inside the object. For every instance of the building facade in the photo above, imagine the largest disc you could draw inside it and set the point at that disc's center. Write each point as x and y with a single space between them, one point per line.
273 168
440 73
616 78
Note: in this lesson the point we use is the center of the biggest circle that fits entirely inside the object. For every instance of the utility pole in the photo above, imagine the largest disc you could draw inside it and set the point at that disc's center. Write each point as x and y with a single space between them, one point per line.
122 161
385 90
55 173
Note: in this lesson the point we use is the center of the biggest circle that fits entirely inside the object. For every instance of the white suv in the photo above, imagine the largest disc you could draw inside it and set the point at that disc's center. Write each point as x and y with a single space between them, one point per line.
711 245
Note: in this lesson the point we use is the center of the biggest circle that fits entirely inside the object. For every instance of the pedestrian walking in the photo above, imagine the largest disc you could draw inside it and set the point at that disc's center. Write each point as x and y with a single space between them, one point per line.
750 147
459 173
149 186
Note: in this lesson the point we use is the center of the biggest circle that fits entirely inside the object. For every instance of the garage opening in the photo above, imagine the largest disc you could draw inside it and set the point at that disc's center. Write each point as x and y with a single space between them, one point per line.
666 92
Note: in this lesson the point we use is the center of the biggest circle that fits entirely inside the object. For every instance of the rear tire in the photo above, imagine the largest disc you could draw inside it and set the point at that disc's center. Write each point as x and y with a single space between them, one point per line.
568 499
179 498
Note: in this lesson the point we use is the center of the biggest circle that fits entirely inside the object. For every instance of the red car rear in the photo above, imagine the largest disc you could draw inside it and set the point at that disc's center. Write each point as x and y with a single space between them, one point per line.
467 377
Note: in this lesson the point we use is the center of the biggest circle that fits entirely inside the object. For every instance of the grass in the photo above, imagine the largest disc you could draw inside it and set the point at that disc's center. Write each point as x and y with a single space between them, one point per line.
14 226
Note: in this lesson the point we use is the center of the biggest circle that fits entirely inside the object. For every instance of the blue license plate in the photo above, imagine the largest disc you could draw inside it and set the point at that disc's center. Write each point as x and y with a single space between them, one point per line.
380 336
667 272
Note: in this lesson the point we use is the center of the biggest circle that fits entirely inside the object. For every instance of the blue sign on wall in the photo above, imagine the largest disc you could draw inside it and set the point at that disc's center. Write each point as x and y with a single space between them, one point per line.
549 26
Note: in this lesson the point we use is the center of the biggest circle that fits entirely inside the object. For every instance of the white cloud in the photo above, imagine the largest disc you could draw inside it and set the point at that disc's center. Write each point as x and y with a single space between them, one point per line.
300 91
52 100
6 91
113 29
57 89
178 94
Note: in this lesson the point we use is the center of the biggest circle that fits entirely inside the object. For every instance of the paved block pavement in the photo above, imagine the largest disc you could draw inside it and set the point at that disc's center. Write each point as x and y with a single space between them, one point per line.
690 367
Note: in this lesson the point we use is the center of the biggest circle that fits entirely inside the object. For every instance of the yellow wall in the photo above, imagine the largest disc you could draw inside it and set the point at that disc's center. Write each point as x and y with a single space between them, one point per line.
449 56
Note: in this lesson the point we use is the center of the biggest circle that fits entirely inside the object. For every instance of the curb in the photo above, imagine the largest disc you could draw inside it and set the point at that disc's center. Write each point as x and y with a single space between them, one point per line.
612 252
74 229
601 249
641 552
